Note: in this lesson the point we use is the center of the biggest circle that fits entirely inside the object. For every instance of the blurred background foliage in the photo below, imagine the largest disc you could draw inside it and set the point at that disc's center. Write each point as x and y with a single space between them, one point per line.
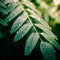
50 11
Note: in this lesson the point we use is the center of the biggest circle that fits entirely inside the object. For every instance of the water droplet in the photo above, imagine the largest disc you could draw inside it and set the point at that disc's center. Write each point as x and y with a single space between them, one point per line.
19 24
42 33
17 32
41 42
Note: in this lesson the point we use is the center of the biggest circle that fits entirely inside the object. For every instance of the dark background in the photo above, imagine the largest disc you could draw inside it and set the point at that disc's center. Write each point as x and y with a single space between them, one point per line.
9 49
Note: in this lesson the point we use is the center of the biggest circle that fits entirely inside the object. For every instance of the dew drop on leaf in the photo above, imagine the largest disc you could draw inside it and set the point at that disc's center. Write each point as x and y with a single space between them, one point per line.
19 25
41 42
17 32
42 33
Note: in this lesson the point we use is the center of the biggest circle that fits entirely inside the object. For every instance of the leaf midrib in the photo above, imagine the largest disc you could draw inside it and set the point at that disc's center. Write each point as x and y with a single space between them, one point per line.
29 19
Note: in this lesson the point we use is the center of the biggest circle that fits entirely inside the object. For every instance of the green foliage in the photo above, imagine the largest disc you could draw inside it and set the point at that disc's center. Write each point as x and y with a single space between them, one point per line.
27 18
31 43
47 51
3 22
22 32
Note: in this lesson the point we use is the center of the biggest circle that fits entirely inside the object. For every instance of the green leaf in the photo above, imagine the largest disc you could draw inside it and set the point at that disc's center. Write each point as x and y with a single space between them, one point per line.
2 5
3 11
51 40
13 14
29 4
5 2
22 32
36 16
47 31
19 21
31 43
3 22
11 6
47 51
